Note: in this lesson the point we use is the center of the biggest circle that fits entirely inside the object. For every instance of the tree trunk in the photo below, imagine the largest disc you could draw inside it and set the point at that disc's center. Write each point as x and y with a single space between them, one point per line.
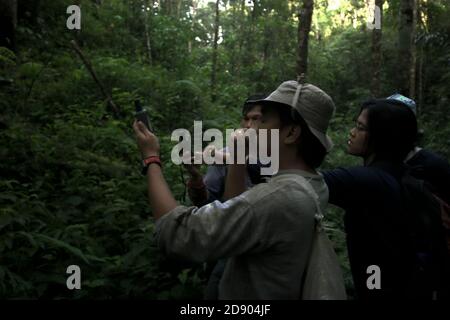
194 11
8 23
146 5
171 7
250 41
420 81
239 58
166 7
260 86
406 48
423 8
178 8
413 63
375 88
304 26
214 57
87 63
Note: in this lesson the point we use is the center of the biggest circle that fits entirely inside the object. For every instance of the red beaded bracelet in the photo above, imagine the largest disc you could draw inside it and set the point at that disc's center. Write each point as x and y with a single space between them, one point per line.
148 161
152 159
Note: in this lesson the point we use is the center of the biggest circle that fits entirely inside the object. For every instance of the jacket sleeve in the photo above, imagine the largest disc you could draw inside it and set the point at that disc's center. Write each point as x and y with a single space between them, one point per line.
341 183
217 230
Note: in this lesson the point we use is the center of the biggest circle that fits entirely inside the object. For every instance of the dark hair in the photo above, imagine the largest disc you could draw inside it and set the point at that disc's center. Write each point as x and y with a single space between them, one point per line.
392 128
248 104
309 147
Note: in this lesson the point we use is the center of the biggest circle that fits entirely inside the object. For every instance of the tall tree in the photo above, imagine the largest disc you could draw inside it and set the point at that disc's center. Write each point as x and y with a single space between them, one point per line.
214 55
8 23
147 5
237 62
375 89
304 27
422 20
193 13
406 47
171 7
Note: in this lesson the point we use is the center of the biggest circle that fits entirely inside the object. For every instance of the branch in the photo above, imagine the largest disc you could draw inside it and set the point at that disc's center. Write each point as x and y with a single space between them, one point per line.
88 65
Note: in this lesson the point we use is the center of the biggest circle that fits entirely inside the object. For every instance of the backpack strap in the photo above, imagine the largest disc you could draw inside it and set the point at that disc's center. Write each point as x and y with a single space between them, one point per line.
308 188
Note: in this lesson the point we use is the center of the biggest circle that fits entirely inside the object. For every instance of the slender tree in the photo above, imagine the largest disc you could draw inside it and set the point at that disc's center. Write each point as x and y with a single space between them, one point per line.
8 23
214 55
375 87
147 5
406 48
194 11
304 27
422 12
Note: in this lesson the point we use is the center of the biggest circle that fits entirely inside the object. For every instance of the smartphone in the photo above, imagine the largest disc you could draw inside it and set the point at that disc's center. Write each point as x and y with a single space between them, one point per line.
141 115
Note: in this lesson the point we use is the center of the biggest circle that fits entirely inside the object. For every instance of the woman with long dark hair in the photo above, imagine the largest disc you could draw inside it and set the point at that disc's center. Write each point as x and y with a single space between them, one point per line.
376 215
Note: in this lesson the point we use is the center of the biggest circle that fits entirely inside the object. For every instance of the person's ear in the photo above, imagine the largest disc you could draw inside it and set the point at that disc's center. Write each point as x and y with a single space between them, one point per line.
293 133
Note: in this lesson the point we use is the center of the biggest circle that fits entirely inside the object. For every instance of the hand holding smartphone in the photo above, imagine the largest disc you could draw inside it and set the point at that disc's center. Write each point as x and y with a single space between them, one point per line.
141 115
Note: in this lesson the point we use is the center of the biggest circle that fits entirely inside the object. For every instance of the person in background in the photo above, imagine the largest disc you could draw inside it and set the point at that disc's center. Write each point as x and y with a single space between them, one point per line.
372 196
206 189
431 167
425 164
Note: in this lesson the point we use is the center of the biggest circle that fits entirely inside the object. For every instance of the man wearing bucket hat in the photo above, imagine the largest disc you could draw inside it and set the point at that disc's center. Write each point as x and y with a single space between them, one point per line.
301 102
266 232
311 103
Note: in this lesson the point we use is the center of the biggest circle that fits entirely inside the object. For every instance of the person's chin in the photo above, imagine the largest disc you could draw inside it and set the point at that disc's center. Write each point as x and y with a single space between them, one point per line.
349 148
351 151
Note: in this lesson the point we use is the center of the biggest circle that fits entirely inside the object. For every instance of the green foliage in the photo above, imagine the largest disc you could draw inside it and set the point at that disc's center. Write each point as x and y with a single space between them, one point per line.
72 194
7 61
